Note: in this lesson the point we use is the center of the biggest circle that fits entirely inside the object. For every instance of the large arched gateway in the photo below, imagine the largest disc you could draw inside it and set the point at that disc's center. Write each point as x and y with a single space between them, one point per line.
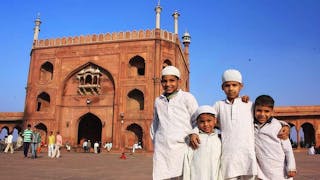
90 128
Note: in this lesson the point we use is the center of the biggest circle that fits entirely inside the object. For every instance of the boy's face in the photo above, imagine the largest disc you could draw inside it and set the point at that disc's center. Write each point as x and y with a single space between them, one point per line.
232 89
206 122
263 113
170 83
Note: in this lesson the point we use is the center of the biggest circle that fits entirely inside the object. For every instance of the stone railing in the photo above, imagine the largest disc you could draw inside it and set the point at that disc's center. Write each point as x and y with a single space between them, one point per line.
107 37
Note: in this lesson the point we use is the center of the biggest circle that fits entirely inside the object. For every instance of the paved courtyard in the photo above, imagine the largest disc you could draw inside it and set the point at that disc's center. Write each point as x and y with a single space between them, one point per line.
108 166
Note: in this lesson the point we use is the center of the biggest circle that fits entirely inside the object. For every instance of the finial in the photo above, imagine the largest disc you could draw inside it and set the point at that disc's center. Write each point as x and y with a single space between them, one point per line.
186 38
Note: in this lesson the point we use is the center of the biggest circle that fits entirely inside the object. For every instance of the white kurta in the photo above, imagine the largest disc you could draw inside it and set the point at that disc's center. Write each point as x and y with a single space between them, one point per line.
171 125
237 136
204 162
275 156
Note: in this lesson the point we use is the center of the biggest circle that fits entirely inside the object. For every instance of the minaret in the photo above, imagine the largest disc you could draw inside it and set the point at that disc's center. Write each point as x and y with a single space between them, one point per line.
186 40
158 11
175 16
36 28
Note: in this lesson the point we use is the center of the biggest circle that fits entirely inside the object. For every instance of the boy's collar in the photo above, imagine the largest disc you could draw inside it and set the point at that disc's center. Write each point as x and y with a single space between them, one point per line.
170 96
202 132
267 122
229 102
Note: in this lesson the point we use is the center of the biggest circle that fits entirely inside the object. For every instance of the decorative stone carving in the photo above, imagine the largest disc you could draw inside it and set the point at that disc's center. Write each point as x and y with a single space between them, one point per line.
89 81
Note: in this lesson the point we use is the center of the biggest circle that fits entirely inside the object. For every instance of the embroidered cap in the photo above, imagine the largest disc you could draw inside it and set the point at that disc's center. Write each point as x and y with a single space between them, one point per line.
231 75
170 70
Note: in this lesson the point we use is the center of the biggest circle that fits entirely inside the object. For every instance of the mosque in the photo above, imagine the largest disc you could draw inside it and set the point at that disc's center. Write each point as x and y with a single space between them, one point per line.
102 87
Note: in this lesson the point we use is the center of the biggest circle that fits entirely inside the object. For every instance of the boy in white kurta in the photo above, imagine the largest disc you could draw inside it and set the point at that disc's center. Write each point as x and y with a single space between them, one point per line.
171 125
204 162
275 156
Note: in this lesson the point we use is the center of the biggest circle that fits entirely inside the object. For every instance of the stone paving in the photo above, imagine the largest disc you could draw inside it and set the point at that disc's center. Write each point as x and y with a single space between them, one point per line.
109 166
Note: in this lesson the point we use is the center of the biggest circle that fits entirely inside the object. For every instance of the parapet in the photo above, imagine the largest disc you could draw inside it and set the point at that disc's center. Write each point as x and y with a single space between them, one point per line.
107 37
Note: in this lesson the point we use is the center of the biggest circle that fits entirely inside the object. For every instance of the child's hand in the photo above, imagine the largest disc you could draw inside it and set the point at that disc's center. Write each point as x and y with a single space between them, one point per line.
292 173
194 141
284 133
245 98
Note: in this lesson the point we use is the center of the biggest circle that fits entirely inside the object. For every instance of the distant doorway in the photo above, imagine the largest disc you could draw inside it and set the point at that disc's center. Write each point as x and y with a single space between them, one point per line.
137 130
90 128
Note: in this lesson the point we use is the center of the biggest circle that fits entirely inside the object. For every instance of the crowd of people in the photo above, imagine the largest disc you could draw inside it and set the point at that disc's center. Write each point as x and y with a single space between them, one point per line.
253 144
31 142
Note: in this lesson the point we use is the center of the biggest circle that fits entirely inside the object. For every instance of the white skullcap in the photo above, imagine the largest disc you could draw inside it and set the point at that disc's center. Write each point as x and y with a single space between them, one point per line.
204 109
170 70
231 75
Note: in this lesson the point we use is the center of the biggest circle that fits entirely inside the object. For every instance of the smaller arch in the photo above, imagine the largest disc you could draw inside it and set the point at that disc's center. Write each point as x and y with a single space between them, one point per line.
309 134
293 135
137 66
88 79
166 63
4 132
135 100
42 128
46 71
138 131
43 101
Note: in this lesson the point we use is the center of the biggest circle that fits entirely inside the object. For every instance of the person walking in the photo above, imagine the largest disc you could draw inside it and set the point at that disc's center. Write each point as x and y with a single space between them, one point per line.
58 144
35 140
9 143
26 140
96 147
19 142
51 142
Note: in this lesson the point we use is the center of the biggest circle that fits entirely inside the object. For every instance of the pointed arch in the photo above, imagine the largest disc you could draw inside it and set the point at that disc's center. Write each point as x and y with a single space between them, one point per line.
293 135
137 66
166 63
308 133
89 83
43 102
90 128
4 131
43 130
135 100
138 131
46 71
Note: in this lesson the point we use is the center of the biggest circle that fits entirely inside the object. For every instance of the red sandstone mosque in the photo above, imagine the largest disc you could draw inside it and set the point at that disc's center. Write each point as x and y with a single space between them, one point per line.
102 87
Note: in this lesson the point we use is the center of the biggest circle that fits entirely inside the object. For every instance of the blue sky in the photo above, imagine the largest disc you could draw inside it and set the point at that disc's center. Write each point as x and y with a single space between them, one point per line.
275 44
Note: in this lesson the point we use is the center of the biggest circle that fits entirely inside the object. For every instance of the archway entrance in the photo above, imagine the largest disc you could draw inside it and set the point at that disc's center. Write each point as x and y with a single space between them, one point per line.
43 131
309 135
137 130
90 128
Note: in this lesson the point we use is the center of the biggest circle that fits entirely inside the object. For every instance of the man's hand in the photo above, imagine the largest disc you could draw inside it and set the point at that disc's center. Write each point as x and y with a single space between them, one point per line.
292 173
284 133
194 141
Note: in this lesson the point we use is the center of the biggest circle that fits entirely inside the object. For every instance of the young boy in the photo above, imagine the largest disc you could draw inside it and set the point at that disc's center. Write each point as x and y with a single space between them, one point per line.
171 125
204 162
275 156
